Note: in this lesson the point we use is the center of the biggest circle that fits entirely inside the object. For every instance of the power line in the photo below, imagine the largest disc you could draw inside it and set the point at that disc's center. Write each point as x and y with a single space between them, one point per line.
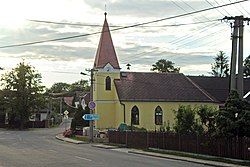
203 29
96 25
222 8
125 27
193 8
213 6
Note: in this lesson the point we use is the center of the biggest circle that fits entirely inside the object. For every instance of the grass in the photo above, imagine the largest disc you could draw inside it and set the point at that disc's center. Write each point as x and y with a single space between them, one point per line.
200 156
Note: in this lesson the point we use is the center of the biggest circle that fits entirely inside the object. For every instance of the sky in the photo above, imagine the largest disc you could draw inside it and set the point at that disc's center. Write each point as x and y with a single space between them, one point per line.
191 47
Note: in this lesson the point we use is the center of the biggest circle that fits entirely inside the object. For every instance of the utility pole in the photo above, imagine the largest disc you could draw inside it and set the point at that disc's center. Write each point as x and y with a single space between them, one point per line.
240 59
237 36
91 125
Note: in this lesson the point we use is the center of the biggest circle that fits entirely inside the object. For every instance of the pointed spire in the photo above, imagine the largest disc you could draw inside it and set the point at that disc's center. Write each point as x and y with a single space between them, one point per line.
106 52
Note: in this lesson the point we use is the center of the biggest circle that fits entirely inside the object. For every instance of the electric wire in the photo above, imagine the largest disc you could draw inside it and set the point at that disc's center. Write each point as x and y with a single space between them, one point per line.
193 9
222 8
95 25
125 27
216 9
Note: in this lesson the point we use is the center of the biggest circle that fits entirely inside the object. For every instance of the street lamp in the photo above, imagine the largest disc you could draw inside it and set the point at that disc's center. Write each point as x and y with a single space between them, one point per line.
91 127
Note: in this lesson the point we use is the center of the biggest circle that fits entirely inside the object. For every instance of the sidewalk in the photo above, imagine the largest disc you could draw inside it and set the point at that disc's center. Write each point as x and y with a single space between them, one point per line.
168 156
66 139
159 155
194 160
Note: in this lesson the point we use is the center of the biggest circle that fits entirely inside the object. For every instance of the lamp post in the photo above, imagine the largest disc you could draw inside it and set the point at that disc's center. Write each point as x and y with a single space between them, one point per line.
91 127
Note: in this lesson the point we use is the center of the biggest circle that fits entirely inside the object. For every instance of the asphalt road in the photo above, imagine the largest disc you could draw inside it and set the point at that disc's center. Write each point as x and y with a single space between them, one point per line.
35 148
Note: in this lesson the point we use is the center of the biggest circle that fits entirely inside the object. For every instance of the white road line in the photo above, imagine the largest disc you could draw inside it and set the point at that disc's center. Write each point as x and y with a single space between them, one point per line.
53 151
83 158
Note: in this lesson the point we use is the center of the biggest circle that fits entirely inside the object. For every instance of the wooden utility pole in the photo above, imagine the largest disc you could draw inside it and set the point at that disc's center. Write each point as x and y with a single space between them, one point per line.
237 36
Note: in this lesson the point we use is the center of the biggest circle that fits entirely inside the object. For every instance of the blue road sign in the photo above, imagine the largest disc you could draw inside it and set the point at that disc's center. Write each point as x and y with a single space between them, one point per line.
91 117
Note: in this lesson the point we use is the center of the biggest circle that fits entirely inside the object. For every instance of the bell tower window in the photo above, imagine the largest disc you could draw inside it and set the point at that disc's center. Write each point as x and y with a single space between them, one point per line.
108 83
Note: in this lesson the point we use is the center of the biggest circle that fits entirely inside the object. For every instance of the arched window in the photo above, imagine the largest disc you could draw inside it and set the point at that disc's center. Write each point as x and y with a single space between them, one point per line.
158 116
108 83
135 115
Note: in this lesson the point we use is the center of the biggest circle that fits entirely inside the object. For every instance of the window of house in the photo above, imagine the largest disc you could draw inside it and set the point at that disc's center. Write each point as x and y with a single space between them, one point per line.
158 115
108 83
135 115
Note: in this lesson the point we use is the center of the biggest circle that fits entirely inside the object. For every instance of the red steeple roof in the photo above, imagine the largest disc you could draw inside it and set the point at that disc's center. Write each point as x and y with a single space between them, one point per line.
106 51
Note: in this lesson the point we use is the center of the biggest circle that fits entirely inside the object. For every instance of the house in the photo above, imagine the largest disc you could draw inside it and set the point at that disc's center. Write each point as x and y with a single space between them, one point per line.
145 100
218 87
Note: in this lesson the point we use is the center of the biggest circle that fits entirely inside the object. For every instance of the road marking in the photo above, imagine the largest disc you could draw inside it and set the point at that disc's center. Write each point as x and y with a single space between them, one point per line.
53 151
121 150
83 158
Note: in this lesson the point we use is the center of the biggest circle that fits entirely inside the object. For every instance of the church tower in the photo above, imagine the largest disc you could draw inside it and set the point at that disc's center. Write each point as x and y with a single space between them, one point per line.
107 69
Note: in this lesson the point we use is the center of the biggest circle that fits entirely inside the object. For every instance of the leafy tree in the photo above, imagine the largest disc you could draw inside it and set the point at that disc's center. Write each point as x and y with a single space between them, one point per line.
64 89
77 120
165 66
24 88
234 119
207 118
186 122
247 67
59 87
82 85
221 67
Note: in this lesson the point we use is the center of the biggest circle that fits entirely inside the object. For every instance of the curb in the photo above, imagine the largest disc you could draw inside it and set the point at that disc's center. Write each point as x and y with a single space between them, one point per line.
204 162
62 138
104 146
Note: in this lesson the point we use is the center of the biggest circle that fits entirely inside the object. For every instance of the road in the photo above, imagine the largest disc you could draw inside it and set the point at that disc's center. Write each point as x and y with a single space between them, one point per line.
39 148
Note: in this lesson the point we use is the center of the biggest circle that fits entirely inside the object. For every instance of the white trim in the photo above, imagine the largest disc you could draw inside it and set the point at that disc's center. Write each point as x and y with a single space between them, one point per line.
108 68
246 95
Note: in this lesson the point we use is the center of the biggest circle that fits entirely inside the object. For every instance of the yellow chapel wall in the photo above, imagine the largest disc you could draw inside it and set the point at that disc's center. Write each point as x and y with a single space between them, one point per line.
106 100
147 112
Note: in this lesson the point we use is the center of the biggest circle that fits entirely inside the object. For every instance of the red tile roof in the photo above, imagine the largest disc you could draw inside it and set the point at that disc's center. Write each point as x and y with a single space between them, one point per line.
165 87
218 87
106 51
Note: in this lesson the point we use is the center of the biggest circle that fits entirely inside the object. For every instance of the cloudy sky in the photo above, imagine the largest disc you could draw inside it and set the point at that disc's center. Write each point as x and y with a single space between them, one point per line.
190 46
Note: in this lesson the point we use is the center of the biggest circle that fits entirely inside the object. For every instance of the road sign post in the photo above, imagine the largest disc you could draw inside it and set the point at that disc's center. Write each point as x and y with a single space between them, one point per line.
92 106
66 117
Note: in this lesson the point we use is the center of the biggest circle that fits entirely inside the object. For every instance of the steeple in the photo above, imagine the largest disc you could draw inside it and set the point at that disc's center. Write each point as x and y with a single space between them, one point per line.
106 52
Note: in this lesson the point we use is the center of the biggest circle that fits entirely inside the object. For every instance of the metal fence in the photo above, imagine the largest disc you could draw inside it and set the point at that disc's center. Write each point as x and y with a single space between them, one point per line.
238 148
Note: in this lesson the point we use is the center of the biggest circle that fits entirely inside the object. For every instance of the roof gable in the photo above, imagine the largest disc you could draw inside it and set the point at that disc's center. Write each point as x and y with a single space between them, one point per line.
106 52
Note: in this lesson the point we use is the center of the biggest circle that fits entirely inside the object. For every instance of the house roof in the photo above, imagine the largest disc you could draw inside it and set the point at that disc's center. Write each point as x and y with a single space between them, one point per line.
218 87
106 52
136 86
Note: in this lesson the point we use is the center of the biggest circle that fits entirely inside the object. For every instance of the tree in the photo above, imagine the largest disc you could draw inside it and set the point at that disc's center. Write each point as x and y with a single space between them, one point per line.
246 67
59 87
165 66
234 118
82 85
186 122
23 85
207 118
77 120
221 67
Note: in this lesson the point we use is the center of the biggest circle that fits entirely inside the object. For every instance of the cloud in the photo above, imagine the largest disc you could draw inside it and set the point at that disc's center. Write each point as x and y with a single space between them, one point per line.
143 8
